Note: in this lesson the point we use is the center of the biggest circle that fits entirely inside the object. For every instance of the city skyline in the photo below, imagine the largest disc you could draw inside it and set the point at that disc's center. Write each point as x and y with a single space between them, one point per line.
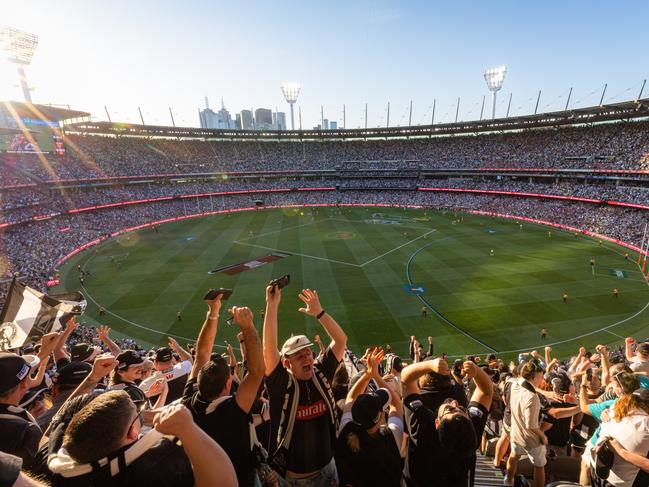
163 55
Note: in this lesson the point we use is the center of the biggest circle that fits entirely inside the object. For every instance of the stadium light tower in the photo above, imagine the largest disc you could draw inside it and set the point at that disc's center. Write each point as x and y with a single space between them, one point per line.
494 78
18 47
291 90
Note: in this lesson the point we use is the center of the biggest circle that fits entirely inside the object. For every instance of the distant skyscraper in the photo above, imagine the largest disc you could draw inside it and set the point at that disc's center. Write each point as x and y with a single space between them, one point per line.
215 120
279 120
245 120
263 119
333 125
325 124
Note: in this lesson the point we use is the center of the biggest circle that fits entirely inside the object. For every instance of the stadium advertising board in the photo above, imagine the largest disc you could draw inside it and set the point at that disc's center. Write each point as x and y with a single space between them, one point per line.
21 134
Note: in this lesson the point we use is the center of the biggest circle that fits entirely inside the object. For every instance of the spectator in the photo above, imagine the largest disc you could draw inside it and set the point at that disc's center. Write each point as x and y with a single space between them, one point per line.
640 359
527 438
125 375
442 443
64 383
629 425
303 412
223 417
367 452
175 375
109 427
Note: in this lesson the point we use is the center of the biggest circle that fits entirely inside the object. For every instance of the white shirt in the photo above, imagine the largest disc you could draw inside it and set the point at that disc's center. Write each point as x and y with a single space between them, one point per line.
632 432
526 408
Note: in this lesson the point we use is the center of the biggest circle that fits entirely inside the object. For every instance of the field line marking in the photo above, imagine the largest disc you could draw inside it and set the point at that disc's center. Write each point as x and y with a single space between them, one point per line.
619 336
397 248
432 308
297 253
288 228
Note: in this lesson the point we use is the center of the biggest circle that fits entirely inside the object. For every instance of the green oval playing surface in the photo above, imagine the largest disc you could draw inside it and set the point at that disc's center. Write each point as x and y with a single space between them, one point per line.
374 269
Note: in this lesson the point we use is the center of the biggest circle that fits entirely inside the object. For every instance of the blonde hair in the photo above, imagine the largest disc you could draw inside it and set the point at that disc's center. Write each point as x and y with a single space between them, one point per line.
627 404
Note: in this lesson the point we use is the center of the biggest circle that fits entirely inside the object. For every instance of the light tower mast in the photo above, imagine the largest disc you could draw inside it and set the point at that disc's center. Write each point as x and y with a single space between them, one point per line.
18 47
291 90
494 78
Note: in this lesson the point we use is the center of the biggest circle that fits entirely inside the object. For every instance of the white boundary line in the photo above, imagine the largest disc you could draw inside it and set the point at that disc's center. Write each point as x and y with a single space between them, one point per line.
397 248
297 253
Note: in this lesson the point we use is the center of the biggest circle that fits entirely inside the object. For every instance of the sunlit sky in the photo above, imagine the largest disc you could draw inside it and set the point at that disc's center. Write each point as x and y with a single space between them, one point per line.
164 53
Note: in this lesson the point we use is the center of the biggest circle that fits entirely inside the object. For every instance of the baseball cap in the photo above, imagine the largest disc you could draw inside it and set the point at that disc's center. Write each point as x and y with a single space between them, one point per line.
128 358
32 395
295 344
14 368
164 354
367 408
83 352
72 374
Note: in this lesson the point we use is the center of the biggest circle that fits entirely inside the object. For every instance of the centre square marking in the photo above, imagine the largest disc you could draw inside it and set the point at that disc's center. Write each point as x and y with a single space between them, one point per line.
338 235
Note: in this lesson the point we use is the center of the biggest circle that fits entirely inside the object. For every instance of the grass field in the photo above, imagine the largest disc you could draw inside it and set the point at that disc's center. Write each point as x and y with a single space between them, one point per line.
360 260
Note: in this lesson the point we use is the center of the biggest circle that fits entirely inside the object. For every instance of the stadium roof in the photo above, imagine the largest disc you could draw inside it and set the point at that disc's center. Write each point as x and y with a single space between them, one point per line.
628 110
48 112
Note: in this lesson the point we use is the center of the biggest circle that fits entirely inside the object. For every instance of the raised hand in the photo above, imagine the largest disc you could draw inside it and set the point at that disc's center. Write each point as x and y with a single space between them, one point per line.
242 316
157 387
214 304
310 298
102 366
103 332
273 295
173 420
48 343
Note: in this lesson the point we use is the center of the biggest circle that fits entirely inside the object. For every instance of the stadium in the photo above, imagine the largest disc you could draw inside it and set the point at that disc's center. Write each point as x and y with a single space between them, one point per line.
520 239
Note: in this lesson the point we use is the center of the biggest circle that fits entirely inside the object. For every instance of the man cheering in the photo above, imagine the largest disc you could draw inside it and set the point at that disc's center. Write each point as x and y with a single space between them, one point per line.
302 406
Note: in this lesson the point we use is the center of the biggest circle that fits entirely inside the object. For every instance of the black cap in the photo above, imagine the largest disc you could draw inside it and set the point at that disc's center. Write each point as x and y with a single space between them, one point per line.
367 408
393 362
14 368
32 395
72 374
164 354
82 352
128 358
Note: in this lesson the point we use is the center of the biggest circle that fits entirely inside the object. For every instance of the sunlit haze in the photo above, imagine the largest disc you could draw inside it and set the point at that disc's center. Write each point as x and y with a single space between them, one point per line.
161 54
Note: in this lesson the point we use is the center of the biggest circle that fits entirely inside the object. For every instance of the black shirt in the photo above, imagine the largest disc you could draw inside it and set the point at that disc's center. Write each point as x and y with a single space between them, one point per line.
377 462
427 463
433 398
19 433
311 446
163 465
229 426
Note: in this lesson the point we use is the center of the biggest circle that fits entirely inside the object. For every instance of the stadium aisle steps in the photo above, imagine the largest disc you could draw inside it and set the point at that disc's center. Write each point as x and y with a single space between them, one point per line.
485 474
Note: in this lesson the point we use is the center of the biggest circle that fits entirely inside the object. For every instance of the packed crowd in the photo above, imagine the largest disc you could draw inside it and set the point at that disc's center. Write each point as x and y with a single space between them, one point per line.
79 408
611 146
32 250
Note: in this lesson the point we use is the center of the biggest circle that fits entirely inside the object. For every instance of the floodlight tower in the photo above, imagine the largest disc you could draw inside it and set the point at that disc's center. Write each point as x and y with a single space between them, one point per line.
18 47
291 90
494 78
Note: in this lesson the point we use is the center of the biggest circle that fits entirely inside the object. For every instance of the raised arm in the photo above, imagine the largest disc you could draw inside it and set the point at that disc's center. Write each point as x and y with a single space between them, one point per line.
203 452
411 374
333 329
270 347
628 348
484 390
431 348
182 353
548 358
48 344
247 392
206 336
59 353
372 371
606 364
104 335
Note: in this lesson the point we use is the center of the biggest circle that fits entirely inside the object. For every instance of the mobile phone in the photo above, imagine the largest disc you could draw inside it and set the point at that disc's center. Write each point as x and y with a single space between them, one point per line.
213 293
457 367
230 321
281 282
